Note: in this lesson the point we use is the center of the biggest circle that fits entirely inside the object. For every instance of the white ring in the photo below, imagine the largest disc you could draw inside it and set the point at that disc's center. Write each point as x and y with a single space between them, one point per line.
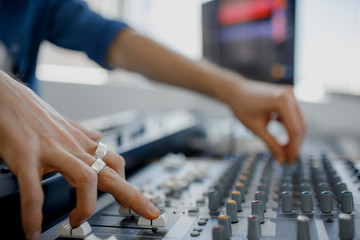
98 165
100 151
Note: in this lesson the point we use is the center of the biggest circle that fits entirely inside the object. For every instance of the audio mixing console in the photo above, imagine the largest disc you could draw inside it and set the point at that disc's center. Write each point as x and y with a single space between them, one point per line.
243 196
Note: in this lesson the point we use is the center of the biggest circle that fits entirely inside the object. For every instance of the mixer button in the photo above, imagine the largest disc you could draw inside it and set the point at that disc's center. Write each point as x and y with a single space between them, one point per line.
303 232
66 231
257 209
195 234
287 202
218 233
200 201
161 221
205 218
231 211
193 211
306 202
236 196
346 227
347 202
224 221
202 222
198 229
326 202
254 232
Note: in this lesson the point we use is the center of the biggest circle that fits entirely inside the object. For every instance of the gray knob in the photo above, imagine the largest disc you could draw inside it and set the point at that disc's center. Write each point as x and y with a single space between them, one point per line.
259 195
287 202
241 188
236 196
231 211
264 188
224 221
346 227
347 202
306 202
286 187
321 187
219 187
213 201
303 232
218 232
257 209
305 187
340 186
254 232
326 202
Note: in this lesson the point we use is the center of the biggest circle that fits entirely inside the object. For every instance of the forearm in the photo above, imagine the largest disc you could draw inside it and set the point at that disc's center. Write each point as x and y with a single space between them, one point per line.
136 53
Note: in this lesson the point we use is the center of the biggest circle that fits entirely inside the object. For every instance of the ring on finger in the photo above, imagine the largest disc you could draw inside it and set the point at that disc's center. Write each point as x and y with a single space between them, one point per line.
100 151
98 165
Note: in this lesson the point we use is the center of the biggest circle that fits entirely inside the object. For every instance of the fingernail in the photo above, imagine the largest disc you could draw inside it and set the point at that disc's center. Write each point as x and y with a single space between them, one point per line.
154 210
34 236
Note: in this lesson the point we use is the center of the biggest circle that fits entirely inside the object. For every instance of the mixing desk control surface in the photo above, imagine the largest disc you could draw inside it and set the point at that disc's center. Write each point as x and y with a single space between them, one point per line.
247 196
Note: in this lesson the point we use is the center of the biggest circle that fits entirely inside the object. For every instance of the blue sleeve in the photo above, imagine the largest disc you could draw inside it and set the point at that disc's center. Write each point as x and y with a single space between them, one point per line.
71 24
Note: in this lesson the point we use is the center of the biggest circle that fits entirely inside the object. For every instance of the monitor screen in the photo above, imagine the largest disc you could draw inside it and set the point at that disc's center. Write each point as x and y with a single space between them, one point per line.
252 37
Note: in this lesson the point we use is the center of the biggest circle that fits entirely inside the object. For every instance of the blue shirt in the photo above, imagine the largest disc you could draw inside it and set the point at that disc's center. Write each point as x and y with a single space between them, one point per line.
24 24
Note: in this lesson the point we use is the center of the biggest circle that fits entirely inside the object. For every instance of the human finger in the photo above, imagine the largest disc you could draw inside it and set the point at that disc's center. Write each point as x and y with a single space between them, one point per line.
93 135
277 150
290 119
81 176
110 181
32 198
113 160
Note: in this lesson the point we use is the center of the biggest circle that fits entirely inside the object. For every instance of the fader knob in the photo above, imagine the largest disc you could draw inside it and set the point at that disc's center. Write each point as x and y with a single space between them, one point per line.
346 227
213 201
326 202
236 196
224 221
303 232
257 209
347 202
254 232
218 232
306 202
231 211
287 202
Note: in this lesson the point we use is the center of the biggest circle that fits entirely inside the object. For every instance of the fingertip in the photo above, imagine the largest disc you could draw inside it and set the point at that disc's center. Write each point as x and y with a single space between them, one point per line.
153 210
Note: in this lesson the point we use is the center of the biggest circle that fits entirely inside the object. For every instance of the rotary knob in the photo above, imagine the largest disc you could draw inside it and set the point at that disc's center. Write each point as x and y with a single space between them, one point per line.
254 232
326 202
347 202
231 211
257 209
306 202
287 202
346 227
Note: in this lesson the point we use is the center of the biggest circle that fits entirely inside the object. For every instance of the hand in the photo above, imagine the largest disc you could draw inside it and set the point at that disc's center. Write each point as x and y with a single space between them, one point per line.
37 140
254 104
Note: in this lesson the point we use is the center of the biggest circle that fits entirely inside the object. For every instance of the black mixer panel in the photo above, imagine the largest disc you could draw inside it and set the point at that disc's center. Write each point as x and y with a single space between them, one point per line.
243 196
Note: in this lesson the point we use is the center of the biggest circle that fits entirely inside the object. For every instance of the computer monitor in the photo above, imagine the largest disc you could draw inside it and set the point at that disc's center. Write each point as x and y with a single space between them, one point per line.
252 37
